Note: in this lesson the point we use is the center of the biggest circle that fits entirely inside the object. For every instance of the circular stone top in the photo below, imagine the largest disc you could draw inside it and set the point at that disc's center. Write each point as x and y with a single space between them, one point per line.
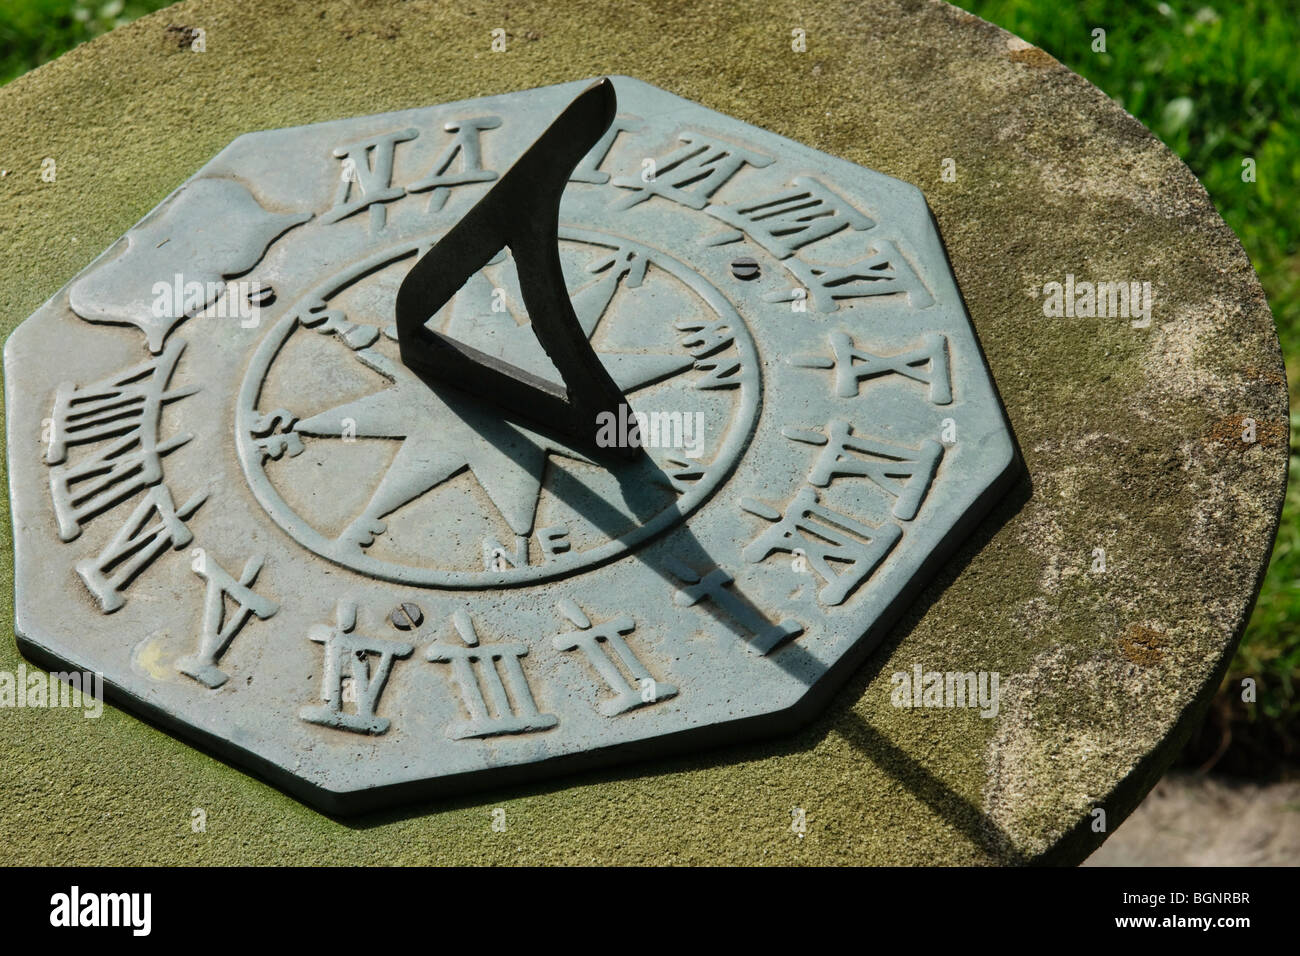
1107 592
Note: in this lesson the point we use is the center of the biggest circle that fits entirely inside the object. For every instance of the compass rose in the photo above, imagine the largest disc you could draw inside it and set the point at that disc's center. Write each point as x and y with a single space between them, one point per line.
443 432
623 291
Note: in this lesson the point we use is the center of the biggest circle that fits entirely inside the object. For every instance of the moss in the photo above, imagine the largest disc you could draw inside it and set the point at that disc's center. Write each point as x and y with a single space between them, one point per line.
1121 430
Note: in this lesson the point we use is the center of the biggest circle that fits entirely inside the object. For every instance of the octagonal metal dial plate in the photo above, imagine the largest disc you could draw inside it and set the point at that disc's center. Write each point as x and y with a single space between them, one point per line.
232 499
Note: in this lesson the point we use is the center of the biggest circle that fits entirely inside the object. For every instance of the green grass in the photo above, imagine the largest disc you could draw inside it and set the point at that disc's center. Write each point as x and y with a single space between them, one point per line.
1219 84
34 31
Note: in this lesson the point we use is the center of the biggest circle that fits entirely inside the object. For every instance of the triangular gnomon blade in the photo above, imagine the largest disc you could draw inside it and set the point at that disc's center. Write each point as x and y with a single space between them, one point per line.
521 212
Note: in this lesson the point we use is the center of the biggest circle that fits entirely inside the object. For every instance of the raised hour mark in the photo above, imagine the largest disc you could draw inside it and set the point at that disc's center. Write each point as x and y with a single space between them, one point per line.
342 647
823 536
786 221
926 363
904 473
137 543
367 165
883 271
624 268
765 635
589 171
608 653
125 408
496 704
692 173
219 629
465 144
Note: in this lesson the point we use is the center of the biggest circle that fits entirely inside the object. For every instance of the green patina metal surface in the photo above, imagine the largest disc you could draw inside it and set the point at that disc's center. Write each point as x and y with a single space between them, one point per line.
1132 436
680 658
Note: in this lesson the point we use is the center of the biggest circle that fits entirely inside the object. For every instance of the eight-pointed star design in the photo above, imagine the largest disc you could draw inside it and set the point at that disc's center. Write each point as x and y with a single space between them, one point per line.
444 431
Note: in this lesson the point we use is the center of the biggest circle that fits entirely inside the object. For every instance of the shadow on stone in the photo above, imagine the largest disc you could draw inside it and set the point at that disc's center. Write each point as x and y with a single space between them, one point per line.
838 716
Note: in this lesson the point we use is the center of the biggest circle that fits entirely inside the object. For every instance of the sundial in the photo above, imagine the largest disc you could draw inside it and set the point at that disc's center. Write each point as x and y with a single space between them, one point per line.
403 454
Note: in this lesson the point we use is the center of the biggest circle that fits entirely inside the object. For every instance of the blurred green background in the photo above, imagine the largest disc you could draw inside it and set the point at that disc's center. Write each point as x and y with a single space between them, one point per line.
1220 84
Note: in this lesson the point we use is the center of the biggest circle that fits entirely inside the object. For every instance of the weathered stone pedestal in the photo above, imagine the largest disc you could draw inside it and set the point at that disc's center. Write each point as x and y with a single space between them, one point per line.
1107 592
